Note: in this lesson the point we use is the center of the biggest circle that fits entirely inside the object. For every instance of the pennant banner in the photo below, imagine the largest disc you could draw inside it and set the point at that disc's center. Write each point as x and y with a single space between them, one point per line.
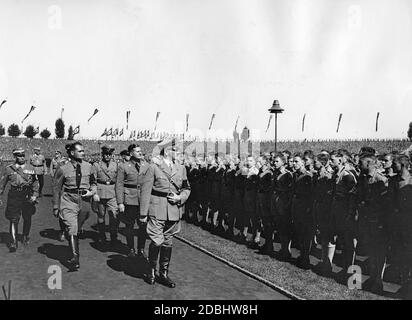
211 121
104 133
270 120
377 121
31 110
110 132
157 117
121 133
3 102
127 119
237 120
76 130
94 113
340 118
303 122
187 122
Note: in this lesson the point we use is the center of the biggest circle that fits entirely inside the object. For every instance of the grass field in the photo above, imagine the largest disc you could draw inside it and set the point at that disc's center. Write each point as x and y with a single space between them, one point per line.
303 283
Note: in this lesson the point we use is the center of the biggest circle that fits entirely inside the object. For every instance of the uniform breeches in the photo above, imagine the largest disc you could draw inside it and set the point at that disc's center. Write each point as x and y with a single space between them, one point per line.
40 177
17 206
73 211
161 232
131 216
109 206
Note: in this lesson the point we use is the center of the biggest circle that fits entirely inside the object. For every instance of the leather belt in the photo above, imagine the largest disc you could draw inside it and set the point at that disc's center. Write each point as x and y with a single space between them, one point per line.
37 165
19 188
105 182
159 193
75 191
130 186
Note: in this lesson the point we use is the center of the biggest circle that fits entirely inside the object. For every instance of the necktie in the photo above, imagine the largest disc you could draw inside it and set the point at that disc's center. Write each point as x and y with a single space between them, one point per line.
137 165
78 175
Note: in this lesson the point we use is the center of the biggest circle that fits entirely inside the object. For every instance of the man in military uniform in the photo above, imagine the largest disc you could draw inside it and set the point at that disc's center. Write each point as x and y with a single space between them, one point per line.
343 207
106 175
21 198
56 162
74 185
372 216
38 161
164 191
128 188
302 202
125 156
250 217
402 217
323 192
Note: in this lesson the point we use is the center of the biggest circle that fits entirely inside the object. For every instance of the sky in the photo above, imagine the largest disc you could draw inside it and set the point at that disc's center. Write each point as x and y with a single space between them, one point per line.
228 57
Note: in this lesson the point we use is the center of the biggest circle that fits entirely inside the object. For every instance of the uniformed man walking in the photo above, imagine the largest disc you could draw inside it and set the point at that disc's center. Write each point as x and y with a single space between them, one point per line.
164 191
128 186
73 186
106 176
56 162
38 161
21 198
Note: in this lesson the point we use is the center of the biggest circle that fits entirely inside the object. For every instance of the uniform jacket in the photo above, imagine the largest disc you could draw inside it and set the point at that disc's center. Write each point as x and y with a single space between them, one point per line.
282 185
129 182
39 163
156 181
21 177
302 196
65 177
106 176
55 164
371 193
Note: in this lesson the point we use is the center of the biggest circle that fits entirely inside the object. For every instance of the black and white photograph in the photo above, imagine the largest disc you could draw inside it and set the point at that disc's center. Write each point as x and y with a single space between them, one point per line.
205 156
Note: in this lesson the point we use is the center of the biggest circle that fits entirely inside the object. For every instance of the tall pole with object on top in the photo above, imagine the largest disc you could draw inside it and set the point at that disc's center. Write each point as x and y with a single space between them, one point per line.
276 109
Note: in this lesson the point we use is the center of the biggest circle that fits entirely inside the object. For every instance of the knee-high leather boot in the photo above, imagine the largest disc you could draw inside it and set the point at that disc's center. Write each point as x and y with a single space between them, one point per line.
141 241
61 236
13 235
164 262
74 249
153 257
102 232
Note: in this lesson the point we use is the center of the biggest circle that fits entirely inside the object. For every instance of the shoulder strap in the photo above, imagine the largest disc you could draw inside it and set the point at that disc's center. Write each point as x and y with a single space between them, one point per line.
169 178
19 173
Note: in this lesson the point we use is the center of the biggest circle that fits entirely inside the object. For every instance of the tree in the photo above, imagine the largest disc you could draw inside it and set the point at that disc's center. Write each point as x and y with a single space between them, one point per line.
14 130
45 134
410 132
30 132
59 128
70 133
2 130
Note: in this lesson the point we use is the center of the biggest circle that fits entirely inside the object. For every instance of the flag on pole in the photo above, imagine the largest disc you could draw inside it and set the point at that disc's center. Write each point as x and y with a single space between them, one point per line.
187 122
109 132
340 118
76 130
3 102
303 122
104 132
377 120
94 113
270 120
115 132
61 113
157 117
127 119
38 129
211 121
237 120
121 133
31 110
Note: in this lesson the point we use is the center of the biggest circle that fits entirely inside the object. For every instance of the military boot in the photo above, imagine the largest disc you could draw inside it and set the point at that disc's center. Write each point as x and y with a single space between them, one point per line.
13 235
74 249
164 262
153 257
